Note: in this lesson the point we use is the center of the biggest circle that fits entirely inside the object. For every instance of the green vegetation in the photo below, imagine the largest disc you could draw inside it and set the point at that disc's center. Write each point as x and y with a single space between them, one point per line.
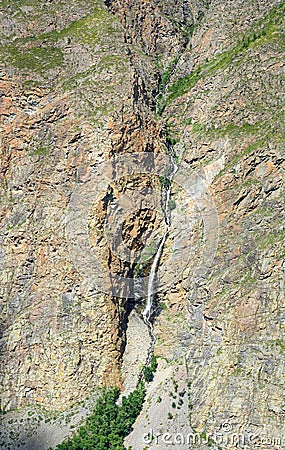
190 28
108 61
16 5
249 149
148 371
238 371
37 59
183 85
40 53
164 181
83 78
175 384
87 30
250 182
180 403
268 240
171 136
164 82
172 205
264 30
182 393
235 131
279 344
165 77
109 422
186 31
163 306
41 151
147 254
230 128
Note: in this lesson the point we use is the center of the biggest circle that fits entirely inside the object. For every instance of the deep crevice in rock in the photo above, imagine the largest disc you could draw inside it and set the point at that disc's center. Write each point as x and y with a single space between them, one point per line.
148 87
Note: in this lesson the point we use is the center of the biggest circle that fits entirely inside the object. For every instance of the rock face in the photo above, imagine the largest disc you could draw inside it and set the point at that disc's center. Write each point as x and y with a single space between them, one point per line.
58 121
85 85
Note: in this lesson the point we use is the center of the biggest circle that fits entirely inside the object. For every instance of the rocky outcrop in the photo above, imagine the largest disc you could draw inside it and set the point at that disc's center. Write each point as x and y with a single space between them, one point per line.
223 109
60 338
73 97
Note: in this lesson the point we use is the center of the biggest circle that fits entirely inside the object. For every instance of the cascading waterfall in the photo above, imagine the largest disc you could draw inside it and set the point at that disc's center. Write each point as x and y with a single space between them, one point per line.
148 307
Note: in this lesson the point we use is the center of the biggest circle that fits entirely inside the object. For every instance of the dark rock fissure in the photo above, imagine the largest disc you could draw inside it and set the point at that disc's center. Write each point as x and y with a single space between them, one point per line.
147 93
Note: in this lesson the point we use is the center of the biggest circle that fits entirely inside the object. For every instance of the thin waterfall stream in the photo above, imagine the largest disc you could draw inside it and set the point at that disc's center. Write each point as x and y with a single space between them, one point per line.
151 280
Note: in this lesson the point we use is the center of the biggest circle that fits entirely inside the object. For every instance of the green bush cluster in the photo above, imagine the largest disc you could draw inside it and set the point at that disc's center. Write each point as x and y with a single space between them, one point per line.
164 181
148 371
110 423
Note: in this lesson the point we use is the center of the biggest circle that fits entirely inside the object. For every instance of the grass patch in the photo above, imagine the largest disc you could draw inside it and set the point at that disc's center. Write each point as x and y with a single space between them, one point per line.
89 29
41 151
268 241
165 77
234 130
281 344
238 157
264 31
146 256
230 128
38 59
40 53
108 61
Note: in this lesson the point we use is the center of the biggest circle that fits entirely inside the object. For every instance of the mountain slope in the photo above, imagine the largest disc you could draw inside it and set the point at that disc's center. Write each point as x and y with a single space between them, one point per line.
80 92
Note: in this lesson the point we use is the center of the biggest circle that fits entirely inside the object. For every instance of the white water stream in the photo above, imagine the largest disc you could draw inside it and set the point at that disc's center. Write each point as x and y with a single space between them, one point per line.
148 307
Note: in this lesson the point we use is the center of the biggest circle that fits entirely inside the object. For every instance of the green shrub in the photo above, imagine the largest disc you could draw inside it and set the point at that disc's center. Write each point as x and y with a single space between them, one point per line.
163 306
148 371
164 181
109 423
171 205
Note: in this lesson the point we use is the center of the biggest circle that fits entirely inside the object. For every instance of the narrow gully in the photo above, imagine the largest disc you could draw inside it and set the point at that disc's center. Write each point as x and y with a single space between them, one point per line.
146 314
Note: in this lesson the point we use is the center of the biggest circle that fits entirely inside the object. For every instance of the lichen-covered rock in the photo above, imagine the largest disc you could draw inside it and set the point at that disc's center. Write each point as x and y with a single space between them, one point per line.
223 107
60 339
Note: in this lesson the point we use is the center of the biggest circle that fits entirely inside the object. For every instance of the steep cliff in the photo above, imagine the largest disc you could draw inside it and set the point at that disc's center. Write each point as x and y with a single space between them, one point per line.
84 86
